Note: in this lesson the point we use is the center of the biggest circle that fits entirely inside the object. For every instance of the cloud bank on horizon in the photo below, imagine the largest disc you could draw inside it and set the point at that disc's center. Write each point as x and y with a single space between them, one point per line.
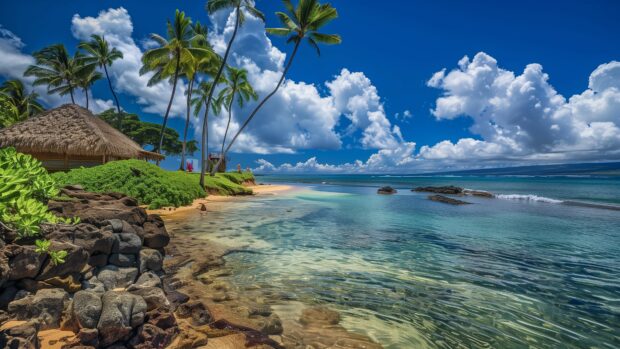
517 118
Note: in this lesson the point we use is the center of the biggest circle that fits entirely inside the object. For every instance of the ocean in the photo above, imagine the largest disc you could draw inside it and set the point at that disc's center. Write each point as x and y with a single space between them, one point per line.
536 267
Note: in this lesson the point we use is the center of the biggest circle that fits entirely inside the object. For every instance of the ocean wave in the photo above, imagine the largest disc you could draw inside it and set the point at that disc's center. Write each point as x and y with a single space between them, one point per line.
528 197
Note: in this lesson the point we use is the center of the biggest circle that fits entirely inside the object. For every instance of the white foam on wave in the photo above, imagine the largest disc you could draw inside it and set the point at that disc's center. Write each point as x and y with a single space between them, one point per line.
528 197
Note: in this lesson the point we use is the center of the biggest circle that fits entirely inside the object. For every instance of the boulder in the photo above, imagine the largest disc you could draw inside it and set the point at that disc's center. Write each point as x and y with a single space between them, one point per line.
149 336
86 309
386 190
7 295
154 297
106 207
154 234
148 279
121 313
93 284
116 225
21 336
98 260
123 260
150 259
449 189
94 240
161 319
76 259
127 243
5 269
114 277
46 305
88 336
23 261
70 283
447 200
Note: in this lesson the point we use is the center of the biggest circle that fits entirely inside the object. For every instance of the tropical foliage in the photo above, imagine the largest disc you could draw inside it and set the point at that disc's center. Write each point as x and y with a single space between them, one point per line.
98 52
25 187
149 184
59 71
146 134
301 23
171 55
25 103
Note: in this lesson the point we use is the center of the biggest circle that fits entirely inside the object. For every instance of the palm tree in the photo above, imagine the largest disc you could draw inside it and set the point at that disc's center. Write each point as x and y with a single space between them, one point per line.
86 80
214 6
236 85
300 23
201 95
56 69
191 70
99 52
26 104
167 59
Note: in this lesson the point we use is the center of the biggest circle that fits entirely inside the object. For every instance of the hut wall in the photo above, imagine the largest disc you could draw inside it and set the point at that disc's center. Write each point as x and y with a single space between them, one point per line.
58 162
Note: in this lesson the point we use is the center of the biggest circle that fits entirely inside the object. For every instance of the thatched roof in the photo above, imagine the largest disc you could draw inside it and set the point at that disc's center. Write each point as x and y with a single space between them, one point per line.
73 130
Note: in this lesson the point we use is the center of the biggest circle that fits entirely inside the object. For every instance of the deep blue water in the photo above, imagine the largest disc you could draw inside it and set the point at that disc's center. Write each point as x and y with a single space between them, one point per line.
409 272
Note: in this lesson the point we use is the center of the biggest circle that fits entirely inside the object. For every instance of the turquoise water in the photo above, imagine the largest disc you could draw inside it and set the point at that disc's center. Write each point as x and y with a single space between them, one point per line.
525 271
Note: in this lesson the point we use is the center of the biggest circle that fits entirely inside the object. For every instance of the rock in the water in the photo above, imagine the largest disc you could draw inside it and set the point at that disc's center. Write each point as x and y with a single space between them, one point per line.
86 309
271 325
319 316
23 261
203 207
449 189
114 277
150 336
123 260
150 259
195 310
480 193
46 305
76 259
121 312
447 200
22 336
386 190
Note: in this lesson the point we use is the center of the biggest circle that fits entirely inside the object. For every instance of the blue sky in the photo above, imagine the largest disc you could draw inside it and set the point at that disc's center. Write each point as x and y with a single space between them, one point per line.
489 111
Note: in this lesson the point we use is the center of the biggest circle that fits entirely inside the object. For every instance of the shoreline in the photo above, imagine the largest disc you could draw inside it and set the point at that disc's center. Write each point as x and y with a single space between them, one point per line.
196 266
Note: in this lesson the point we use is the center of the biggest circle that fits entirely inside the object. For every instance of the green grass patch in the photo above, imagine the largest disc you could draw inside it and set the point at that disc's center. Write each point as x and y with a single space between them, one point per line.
151 185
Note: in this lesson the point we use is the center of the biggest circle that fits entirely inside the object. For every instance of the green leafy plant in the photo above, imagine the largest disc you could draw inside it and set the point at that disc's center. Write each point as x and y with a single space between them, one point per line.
25 187
43 247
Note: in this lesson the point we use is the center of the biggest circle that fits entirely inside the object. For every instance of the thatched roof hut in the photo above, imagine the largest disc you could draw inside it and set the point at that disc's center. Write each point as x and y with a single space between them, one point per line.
71 136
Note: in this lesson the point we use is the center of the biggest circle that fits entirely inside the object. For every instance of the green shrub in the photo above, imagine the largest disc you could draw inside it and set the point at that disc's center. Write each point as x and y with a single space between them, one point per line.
25 187
151 185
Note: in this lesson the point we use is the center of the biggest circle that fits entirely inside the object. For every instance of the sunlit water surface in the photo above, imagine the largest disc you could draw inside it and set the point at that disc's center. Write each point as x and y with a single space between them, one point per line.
411 273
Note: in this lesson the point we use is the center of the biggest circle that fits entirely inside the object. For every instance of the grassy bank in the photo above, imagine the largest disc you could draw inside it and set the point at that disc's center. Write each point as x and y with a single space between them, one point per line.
151 185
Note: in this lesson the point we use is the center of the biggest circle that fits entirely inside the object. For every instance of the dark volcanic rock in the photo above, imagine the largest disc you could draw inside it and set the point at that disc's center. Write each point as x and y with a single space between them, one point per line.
386 190
480 193
23 336
154 297
121 312
92 239
23 261
114 277
123 260
154 233
46 305
440 190
76 259
150 259
86 309
447 200
195 310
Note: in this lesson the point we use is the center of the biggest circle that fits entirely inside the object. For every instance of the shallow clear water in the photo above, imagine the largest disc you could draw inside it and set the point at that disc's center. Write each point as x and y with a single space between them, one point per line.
413 273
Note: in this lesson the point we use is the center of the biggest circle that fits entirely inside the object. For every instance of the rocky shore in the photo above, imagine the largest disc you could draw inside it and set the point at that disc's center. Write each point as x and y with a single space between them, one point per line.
127 283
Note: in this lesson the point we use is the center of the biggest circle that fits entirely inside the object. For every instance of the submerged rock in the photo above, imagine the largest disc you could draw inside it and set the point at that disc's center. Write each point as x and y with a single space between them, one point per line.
449 189
447 200
386 190
480 193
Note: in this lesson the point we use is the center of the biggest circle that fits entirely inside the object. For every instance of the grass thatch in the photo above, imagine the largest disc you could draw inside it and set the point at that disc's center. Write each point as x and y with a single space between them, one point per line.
73 130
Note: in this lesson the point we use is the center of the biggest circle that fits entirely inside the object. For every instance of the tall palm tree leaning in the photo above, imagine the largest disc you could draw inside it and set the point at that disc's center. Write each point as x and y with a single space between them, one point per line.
99 52
191 70
86 80
26 104
214 6
167 59
236 85
300 23
56 69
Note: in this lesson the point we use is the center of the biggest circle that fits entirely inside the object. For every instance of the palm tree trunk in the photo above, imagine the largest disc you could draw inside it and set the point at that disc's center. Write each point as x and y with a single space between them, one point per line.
174 88
118 106
86 94
190 85
206 141
258 107
71 93
215 80
229 118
